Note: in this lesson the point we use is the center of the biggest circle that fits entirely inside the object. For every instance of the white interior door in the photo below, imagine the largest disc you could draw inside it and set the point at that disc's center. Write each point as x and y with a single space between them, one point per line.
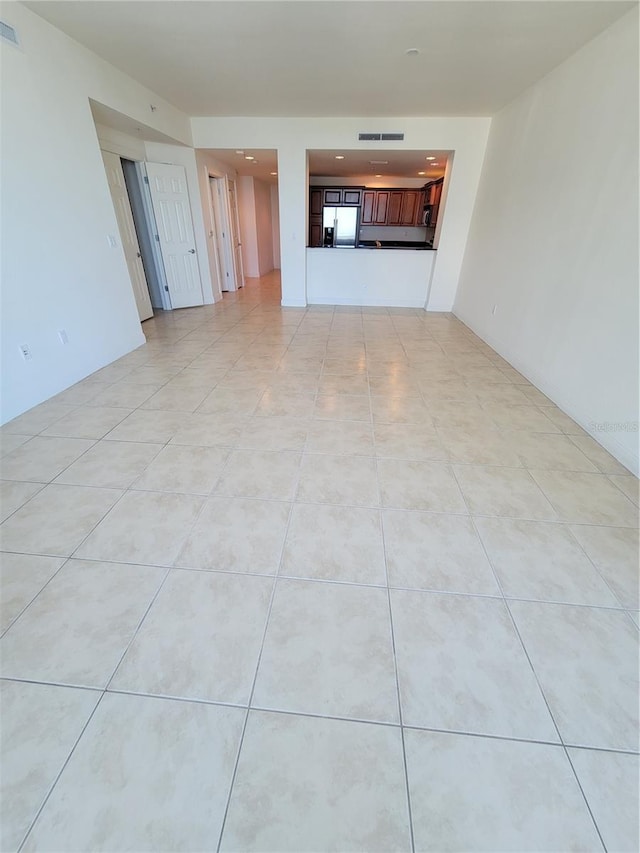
170 199
235 230
221 233
128 236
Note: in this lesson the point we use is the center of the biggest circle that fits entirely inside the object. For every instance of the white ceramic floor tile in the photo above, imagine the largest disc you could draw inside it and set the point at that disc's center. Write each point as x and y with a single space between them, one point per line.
349 480
185 469
148 774
610 783
575 651
335 543
538 560
88 422
77 629
200 639
110 464
260 474
42 458
436 551
587 498
344 782
144 527
56 520
328 651
239 535
40 724
473 793
14 494
22 576
461 667
614 551
419 486
504 492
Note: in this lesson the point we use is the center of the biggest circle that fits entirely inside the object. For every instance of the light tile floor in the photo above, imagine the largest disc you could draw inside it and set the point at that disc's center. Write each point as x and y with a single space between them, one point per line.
311 580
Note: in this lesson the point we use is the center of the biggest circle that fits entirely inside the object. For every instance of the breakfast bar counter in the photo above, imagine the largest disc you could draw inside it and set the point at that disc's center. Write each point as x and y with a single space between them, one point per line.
392 277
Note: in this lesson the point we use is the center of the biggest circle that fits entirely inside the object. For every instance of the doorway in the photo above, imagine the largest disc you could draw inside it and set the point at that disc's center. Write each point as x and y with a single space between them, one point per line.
226 228
128 234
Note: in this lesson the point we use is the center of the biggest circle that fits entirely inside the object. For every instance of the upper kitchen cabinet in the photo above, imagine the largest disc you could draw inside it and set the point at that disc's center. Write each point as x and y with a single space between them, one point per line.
315 202
394 211
342 195
375 205
432 197
411 210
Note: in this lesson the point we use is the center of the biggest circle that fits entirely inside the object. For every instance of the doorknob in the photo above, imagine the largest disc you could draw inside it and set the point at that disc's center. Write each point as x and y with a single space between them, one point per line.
192 251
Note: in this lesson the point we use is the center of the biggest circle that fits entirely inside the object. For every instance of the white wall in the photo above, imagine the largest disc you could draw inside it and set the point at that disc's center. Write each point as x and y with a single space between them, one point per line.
275 226
293 137
254 210
393 277
264 233
58 270
554 239
247 219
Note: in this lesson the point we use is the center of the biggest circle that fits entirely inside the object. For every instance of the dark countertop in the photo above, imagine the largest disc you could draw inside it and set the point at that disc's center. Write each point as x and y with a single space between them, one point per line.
393 244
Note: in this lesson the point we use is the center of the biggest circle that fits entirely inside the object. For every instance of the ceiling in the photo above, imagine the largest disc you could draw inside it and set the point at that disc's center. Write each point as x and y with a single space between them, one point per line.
324 163
357 164
334 57
264 163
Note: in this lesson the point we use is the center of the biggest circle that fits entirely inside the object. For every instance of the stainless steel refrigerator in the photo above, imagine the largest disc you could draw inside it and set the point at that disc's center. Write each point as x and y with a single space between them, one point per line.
340 226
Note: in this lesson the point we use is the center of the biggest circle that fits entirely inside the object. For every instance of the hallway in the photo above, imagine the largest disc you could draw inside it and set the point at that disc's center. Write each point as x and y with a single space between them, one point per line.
315 579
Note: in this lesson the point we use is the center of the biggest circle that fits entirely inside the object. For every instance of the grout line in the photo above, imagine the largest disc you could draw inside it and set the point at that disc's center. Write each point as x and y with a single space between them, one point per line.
396 672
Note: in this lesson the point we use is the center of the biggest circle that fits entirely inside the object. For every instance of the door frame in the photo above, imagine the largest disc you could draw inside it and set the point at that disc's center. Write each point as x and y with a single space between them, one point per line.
236 234
221 229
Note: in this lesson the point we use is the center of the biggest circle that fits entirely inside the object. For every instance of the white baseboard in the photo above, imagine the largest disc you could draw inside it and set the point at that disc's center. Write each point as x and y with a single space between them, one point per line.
293 304
584 419
373 303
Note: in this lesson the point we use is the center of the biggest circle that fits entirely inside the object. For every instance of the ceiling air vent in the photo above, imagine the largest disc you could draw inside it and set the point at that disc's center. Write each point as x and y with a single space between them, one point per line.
381 137
8 33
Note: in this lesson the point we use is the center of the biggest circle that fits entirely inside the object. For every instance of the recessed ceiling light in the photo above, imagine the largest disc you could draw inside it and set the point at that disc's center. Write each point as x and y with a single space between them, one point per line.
339 156
378 176
379 162
430 158
435 164
412 51
239 152
249 157
422 173
273 173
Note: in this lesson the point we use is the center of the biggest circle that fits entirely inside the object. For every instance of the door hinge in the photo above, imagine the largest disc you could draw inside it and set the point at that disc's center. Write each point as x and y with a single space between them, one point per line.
157 236
145 179
227 275
166 288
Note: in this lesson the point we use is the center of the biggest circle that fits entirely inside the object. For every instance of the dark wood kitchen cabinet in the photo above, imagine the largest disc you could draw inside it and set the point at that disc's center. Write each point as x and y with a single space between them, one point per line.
375 204
315 217
394 210
315 203
367 212
411 207
432 197
343 195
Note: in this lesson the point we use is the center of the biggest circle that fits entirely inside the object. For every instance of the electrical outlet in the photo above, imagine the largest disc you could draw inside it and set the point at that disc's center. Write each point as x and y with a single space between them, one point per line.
25 351
494 309
64 337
